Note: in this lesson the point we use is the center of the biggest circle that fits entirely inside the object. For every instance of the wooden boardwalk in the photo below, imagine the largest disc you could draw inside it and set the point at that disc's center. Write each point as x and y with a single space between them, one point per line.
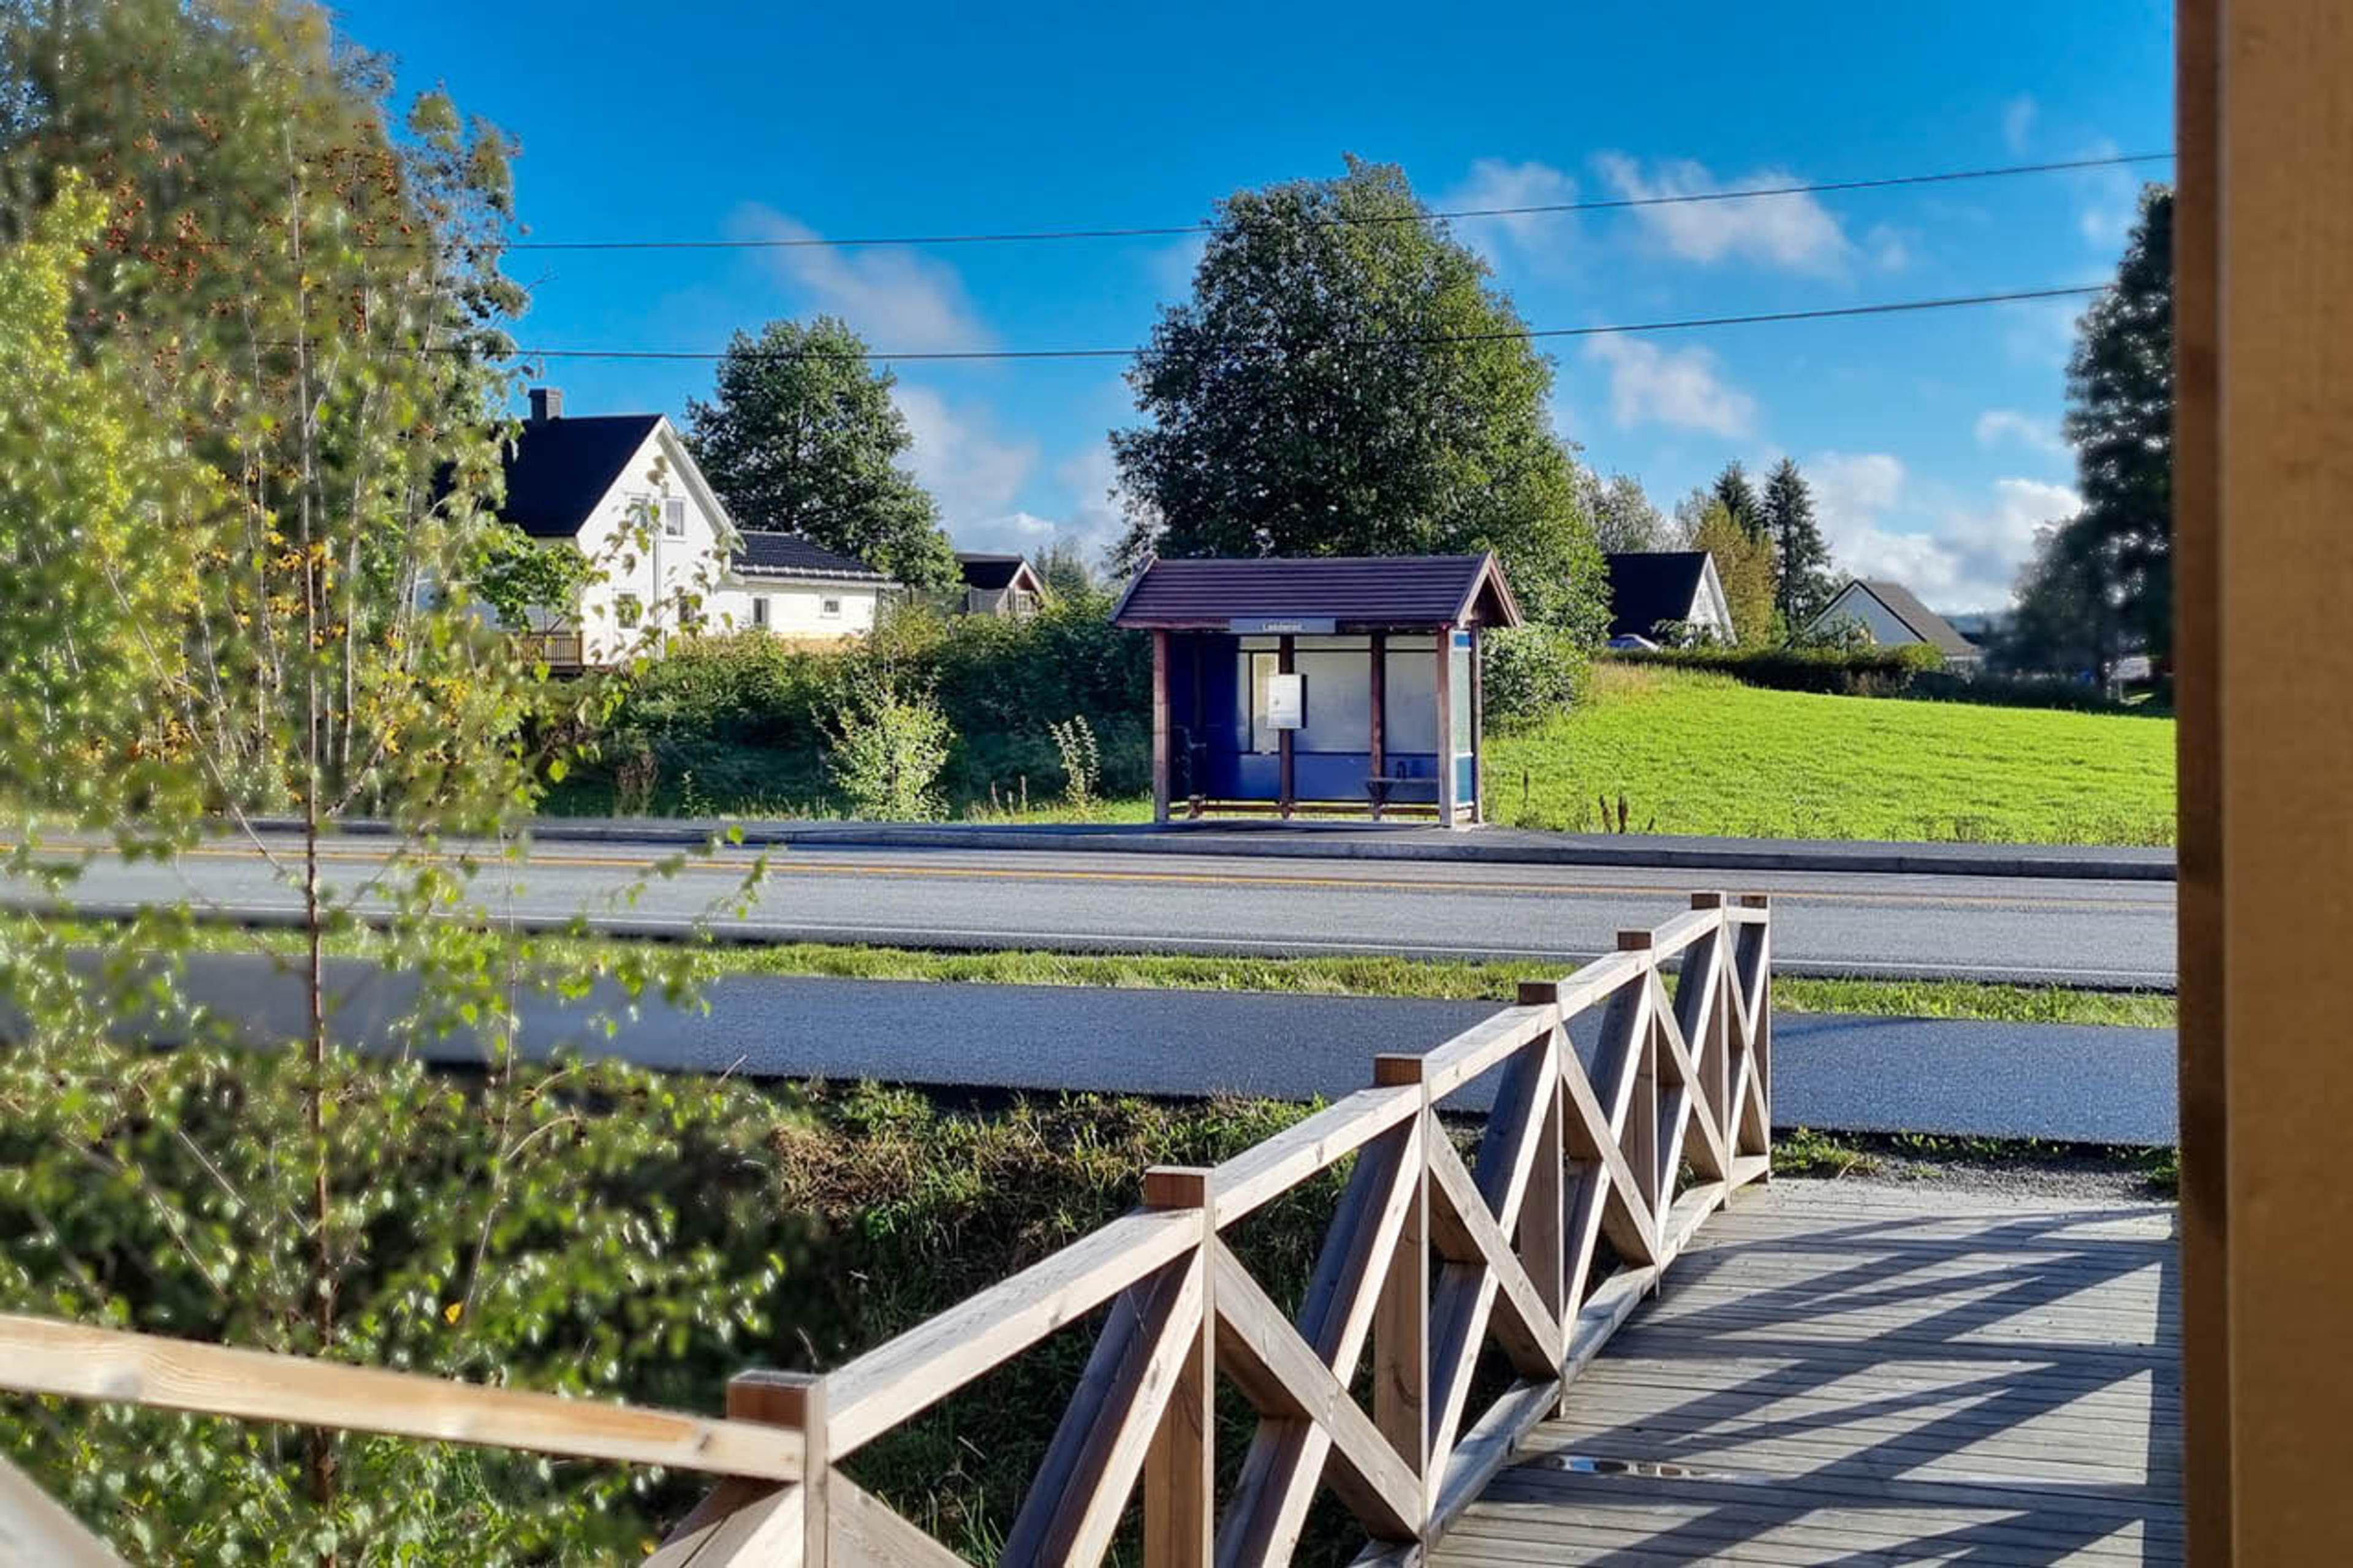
1848 1373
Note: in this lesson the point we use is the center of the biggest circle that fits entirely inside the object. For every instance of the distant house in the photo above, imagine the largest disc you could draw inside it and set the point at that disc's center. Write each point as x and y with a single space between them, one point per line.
999 585
1891 616
784 585
624 489
1677 587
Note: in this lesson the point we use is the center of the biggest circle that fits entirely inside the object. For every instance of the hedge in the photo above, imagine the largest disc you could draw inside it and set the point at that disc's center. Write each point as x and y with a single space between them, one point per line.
1914 670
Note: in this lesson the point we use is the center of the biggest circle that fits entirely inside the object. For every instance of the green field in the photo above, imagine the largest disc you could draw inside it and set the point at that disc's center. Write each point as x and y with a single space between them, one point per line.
1700 754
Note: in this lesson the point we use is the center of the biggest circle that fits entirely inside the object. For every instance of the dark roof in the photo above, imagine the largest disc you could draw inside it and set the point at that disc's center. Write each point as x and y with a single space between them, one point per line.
1923 622
560 468
1350 591
769 553
991 572
1647 586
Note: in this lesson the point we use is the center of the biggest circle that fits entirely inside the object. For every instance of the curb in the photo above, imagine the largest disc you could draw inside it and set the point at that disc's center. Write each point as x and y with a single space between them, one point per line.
1311 841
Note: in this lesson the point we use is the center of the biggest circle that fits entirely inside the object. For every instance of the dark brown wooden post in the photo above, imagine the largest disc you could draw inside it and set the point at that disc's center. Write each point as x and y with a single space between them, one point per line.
1446 790
1282 662
1159 726
1379 767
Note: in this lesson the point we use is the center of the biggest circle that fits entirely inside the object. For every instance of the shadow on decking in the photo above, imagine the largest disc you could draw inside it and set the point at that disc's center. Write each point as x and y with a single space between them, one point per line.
1824 1384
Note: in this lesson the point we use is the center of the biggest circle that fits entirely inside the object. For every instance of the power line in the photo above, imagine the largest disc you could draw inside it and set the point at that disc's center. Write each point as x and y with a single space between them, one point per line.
1676 325
1161 231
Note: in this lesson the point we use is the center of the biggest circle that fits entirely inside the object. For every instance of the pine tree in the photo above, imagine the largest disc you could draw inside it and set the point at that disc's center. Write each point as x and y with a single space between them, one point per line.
1739 498
1804 583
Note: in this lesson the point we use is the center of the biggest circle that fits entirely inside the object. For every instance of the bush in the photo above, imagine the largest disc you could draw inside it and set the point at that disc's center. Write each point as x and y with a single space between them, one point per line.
885 747
1872 671
1529 673
741 722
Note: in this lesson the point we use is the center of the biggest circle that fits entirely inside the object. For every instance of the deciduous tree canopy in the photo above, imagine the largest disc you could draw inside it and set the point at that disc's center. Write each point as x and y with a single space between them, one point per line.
803 437
1353 387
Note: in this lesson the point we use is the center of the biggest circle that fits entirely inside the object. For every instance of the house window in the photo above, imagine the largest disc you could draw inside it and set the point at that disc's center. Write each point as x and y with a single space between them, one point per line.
673 517
628 609
829 608
760 609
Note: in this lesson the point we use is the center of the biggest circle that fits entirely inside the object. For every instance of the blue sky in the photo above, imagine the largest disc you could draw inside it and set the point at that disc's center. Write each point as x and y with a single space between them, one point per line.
1931 439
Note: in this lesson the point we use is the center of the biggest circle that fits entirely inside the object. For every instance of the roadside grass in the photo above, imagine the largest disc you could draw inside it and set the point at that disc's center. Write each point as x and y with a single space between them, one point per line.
1923 1156
1693 752
1448 980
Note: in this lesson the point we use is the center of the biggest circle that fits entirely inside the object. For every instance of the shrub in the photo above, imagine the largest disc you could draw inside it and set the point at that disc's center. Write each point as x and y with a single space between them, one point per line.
886 746
1081 763
1528 672
1873 671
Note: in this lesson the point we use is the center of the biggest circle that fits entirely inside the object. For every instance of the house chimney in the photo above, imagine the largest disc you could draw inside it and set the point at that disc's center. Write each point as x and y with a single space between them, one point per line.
546 404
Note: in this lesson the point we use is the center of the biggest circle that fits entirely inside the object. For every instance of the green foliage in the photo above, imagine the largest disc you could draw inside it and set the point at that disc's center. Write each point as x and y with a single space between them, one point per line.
1737 495
1804 583
1744 563
1869 671
803 438
1074 738
885 746
1699 753
1353 389
1624 518
528 584
1529 673
1066 572
745 715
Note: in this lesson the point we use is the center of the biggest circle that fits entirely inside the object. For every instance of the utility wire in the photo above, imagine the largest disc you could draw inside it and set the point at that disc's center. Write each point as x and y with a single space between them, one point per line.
1615 203
1676 325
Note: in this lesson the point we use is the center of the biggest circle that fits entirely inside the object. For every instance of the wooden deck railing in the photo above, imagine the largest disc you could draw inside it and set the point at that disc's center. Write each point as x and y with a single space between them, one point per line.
1425 1261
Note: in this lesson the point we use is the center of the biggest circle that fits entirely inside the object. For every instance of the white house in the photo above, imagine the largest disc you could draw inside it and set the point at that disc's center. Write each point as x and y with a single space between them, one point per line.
1892 617
626 492
1680 588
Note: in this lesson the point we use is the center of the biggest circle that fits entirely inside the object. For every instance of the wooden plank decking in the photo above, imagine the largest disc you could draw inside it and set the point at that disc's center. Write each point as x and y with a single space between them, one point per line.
1844 1374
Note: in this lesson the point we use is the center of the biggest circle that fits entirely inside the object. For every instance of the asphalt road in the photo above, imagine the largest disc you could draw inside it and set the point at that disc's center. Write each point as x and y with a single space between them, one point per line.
2030 929
2075 1083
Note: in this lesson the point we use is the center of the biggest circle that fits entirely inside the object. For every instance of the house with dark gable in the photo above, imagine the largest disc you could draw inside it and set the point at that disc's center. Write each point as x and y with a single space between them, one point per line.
1652 590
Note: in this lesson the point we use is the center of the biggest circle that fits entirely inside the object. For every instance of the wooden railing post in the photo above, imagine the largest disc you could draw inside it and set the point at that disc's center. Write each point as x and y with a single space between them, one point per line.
1180 1465
1641 1138
1401 1316
794 1399
1760 1047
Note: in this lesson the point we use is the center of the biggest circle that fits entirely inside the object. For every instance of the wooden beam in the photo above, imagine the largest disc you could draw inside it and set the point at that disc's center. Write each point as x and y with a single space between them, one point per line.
933 1360
43 1355
2269 918
1379 703
1478 733
34 1528
1160 752
869 1534
1180 1469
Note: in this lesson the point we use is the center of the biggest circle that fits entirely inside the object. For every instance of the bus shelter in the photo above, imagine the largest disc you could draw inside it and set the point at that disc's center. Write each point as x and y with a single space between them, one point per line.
1323 684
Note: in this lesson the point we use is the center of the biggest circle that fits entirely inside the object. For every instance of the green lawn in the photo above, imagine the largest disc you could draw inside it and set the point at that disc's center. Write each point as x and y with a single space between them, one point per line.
1700 754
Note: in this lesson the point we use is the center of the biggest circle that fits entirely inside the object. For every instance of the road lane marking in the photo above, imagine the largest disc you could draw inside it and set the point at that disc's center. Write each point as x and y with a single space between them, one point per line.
995 873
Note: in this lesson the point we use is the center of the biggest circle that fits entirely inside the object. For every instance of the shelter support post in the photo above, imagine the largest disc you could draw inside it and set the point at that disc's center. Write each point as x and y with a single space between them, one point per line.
1285 655
2264 454
1160 726
1379 702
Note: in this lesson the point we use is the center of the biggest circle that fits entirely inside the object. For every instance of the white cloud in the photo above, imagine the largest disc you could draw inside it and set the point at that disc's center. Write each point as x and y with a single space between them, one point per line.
1171 267
975 472
1493 183
1096 521
1648 385
1956 555
1793 232
1996 426
2110 199
2017 123
897 300
1889 248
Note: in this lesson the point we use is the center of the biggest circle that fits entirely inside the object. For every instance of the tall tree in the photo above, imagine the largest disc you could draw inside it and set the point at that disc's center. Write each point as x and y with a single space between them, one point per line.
1744 562
1344 380
2120 419
250 317
1623 516
1738 497
804 436
1804 583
